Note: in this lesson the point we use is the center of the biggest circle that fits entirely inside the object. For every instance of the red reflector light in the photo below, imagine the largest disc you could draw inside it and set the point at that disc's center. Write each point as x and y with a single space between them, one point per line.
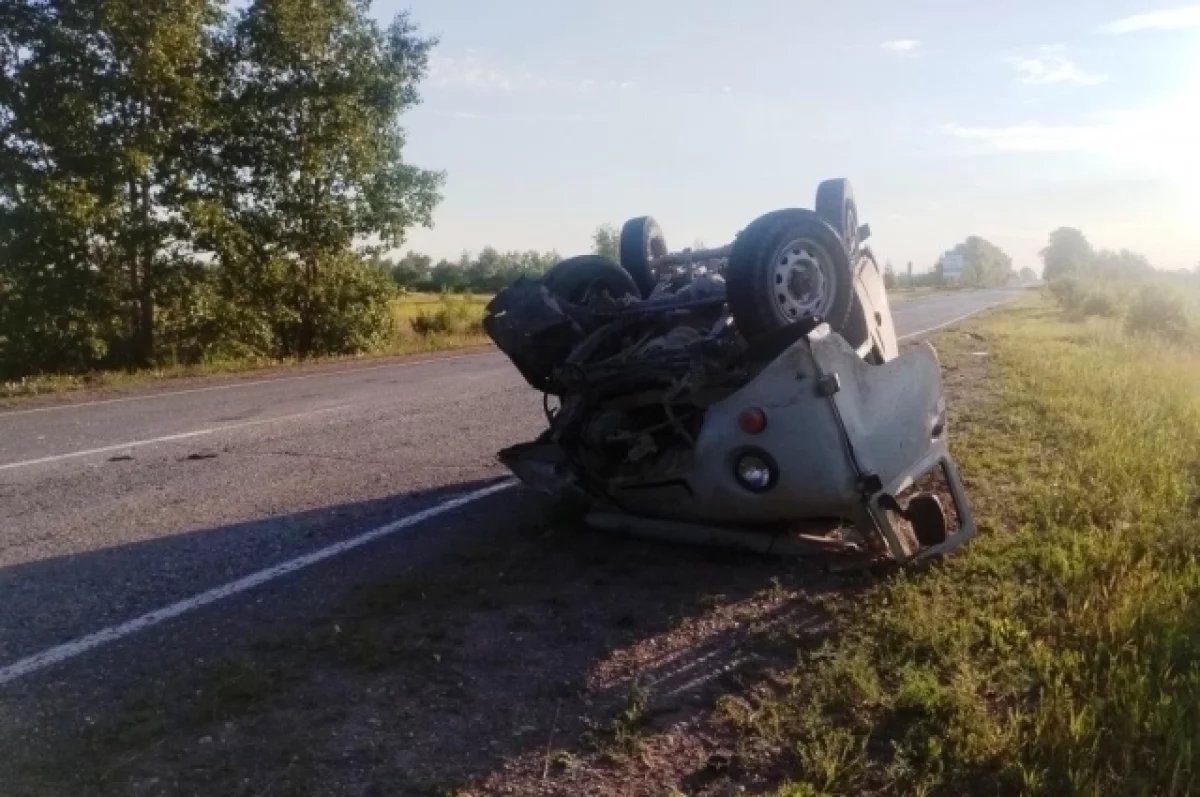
752 421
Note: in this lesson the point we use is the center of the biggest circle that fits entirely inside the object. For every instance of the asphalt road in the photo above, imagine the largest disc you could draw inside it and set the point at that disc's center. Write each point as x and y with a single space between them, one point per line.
114 508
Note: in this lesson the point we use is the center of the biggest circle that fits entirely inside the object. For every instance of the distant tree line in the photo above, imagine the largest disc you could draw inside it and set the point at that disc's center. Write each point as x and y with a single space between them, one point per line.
984 265
200 179
487 272
490 270
1069 253
1114 284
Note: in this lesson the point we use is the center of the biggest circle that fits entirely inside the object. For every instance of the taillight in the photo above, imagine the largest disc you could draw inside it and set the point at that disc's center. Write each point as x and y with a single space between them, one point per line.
752 420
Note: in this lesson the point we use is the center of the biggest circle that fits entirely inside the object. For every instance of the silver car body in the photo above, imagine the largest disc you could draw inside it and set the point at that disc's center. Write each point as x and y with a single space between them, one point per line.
850 430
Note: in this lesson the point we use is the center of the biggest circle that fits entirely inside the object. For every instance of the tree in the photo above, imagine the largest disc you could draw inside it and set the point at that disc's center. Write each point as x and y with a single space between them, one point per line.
98 105
412 269
910 274
1108 264
1068 252
1028 275
311 165
606 241
889 276
447 276
984 263
174 181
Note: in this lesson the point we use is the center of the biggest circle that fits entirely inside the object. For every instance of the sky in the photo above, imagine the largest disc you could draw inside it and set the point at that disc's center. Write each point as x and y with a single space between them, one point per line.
951 119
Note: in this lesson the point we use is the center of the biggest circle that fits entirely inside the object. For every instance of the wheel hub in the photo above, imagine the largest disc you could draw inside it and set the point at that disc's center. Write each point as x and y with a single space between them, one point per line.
801 286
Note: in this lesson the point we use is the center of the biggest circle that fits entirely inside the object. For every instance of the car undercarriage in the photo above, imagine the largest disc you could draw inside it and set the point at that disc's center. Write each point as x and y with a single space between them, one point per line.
748 396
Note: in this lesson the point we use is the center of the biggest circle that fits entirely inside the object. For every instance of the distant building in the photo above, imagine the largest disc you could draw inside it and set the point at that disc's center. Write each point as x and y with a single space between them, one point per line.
952 266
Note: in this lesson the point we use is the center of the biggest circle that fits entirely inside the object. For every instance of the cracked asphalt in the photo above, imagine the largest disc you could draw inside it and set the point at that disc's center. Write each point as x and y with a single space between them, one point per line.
112 506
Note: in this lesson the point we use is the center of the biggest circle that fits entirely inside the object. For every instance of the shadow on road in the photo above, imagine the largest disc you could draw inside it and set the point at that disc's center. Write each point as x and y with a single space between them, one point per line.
505 650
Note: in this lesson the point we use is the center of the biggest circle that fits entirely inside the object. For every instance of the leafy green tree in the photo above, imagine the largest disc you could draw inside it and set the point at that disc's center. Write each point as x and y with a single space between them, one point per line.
412 269
984 263
484 271
448 276
606 241
98 102
176 184
1067 253
311 166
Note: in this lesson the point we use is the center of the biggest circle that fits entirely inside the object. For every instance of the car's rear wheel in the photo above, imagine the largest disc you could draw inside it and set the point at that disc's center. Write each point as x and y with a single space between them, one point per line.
578 279
642 241
787 266
836 206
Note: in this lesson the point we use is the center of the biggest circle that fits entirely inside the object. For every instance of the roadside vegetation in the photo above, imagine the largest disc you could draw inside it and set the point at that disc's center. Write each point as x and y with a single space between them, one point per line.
1060 653
417 323
201 181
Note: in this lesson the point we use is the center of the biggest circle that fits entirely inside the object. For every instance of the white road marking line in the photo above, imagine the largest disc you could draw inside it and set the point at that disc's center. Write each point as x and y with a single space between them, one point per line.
166 438
70 650
233 385
952 320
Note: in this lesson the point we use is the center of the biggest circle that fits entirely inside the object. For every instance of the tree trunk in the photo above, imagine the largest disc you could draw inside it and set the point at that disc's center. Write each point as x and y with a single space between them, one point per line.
146 299
132 254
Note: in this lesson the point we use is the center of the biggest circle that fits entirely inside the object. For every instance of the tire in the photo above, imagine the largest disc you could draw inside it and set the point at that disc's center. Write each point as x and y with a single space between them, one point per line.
641 240
792 242
577 278
837 208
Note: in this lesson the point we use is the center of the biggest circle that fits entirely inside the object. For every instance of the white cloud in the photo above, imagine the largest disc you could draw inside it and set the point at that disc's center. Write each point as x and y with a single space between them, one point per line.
1035 137
1153 140
1167 19
475 71
478 72
472 71
905 46
1051 65
537 116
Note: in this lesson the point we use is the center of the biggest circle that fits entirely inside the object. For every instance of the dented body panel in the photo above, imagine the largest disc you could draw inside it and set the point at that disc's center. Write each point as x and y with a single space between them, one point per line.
845 450
846 436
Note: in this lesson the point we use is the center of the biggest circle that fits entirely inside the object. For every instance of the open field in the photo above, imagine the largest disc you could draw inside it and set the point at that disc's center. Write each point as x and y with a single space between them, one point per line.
1056 654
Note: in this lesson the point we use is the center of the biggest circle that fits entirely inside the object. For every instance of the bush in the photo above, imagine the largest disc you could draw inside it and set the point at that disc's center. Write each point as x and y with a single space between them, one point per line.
1069 292
1155 312
1100 304
453 316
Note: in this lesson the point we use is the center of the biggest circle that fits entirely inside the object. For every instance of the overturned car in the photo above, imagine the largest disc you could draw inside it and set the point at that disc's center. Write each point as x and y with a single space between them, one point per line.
750 396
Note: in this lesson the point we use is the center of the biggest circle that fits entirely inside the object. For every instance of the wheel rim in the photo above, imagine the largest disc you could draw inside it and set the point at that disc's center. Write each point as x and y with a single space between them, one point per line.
803 280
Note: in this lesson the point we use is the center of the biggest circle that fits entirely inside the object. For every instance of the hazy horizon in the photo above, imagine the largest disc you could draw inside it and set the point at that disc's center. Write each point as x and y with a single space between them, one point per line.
551 119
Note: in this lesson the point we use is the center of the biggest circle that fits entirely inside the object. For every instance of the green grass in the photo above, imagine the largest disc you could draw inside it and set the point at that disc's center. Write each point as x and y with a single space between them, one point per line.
420 323
1060 652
